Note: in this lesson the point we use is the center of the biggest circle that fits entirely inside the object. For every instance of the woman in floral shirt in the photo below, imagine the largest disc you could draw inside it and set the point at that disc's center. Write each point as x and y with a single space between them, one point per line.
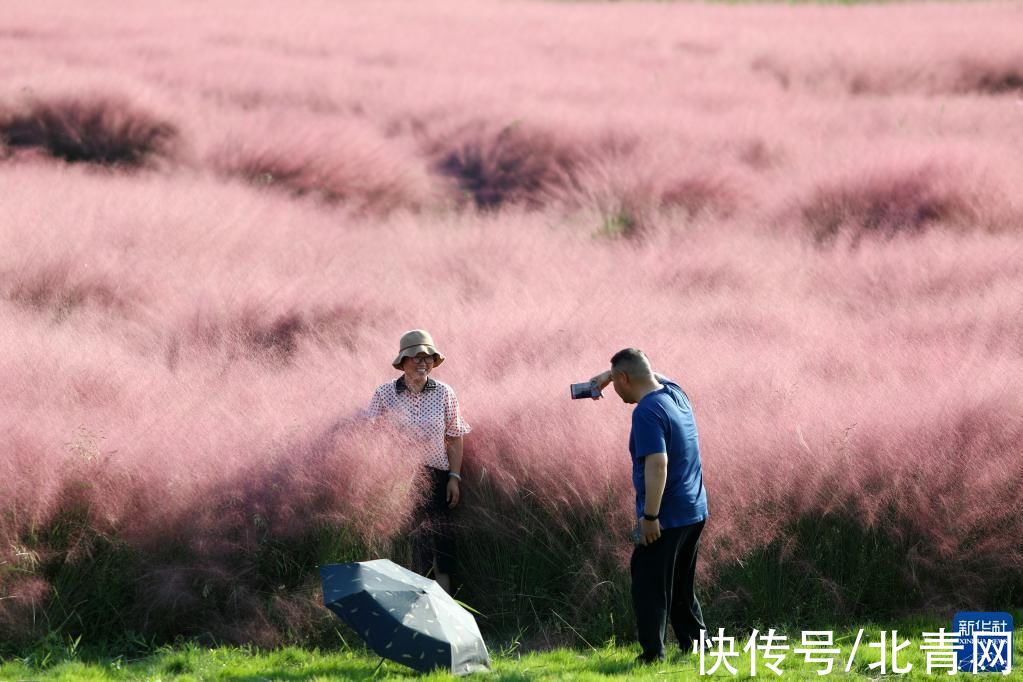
429 410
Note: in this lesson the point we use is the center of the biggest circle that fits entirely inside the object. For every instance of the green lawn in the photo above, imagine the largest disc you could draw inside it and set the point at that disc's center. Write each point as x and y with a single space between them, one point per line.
610 662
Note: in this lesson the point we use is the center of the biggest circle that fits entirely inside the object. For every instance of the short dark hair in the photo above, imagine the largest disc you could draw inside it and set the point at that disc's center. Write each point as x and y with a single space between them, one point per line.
632 361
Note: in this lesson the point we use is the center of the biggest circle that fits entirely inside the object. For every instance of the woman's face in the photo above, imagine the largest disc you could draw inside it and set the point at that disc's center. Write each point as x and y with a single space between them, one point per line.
419 367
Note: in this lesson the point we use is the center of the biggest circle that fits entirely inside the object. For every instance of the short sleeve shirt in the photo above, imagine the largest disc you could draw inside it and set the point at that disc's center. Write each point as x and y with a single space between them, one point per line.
430 415
663 421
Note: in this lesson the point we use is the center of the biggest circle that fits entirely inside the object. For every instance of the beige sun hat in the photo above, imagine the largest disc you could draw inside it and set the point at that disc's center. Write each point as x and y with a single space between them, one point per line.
413 343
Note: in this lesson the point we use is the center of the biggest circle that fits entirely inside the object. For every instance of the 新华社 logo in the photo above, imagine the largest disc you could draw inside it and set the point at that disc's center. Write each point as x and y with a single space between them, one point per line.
985 641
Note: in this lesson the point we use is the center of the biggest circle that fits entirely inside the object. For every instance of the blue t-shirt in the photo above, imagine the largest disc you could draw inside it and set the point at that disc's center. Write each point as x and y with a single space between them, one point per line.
663 422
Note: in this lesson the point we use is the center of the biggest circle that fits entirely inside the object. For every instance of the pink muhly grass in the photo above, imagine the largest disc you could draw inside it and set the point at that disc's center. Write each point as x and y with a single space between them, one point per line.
991 75
272 510
272 333
636 194
25 597
216 430
59 289
347 164
904 196
887 204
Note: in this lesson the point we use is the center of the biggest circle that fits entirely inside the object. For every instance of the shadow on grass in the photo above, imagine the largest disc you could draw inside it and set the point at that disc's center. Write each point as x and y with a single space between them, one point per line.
611 666
333 671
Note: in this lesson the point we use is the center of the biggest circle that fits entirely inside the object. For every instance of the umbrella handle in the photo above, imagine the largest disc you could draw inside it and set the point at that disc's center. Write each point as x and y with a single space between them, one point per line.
378 667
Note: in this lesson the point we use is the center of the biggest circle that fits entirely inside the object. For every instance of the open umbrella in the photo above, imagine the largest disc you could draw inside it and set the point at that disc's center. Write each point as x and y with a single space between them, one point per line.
404 617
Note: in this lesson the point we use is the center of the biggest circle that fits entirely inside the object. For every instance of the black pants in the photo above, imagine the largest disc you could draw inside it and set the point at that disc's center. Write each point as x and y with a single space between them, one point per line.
433 530
662 589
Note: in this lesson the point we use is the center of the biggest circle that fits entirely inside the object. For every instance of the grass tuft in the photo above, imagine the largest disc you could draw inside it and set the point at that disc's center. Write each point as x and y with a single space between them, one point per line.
514 165
99 130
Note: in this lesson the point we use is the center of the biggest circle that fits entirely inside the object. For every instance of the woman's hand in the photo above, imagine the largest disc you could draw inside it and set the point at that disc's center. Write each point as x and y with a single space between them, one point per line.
453 492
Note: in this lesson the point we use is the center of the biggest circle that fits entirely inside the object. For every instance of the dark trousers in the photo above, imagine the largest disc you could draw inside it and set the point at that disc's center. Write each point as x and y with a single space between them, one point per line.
662 589
433 533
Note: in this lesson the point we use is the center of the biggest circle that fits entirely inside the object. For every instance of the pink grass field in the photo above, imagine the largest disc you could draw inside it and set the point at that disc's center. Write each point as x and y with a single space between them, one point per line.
218 217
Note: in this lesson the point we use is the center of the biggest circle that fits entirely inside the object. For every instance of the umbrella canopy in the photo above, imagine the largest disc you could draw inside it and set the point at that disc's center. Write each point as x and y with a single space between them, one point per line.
404 616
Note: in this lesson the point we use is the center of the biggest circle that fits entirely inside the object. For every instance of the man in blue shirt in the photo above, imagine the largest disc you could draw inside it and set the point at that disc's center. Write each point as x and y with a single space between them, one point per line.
671 503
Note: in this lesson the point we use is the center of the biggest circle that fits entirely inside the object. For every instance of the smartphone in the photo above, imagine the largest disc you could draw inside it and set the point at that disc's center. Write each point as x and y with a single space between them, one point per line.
586 389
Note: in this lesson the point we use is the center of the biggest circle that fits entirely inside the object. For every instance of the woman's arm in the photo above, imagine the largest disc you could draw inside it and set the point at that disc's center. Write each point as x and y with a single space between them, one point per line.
376 405
454 448
455 429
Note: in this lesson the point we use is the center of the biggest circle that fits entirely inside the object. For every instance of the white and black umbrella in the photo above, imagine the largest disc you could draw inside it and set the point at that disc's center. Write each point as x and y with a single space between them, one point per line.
405 617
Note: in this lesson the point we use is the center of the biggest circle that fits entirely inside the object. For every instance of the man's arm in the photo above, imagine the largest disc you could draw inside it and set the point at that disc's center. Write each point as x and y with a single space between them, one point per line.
655 474
602 380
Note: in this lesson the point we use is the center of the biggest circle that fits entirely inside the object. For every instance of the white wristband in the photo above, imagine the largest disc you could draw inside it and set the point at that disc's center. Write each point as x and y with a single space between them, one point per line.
452 474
